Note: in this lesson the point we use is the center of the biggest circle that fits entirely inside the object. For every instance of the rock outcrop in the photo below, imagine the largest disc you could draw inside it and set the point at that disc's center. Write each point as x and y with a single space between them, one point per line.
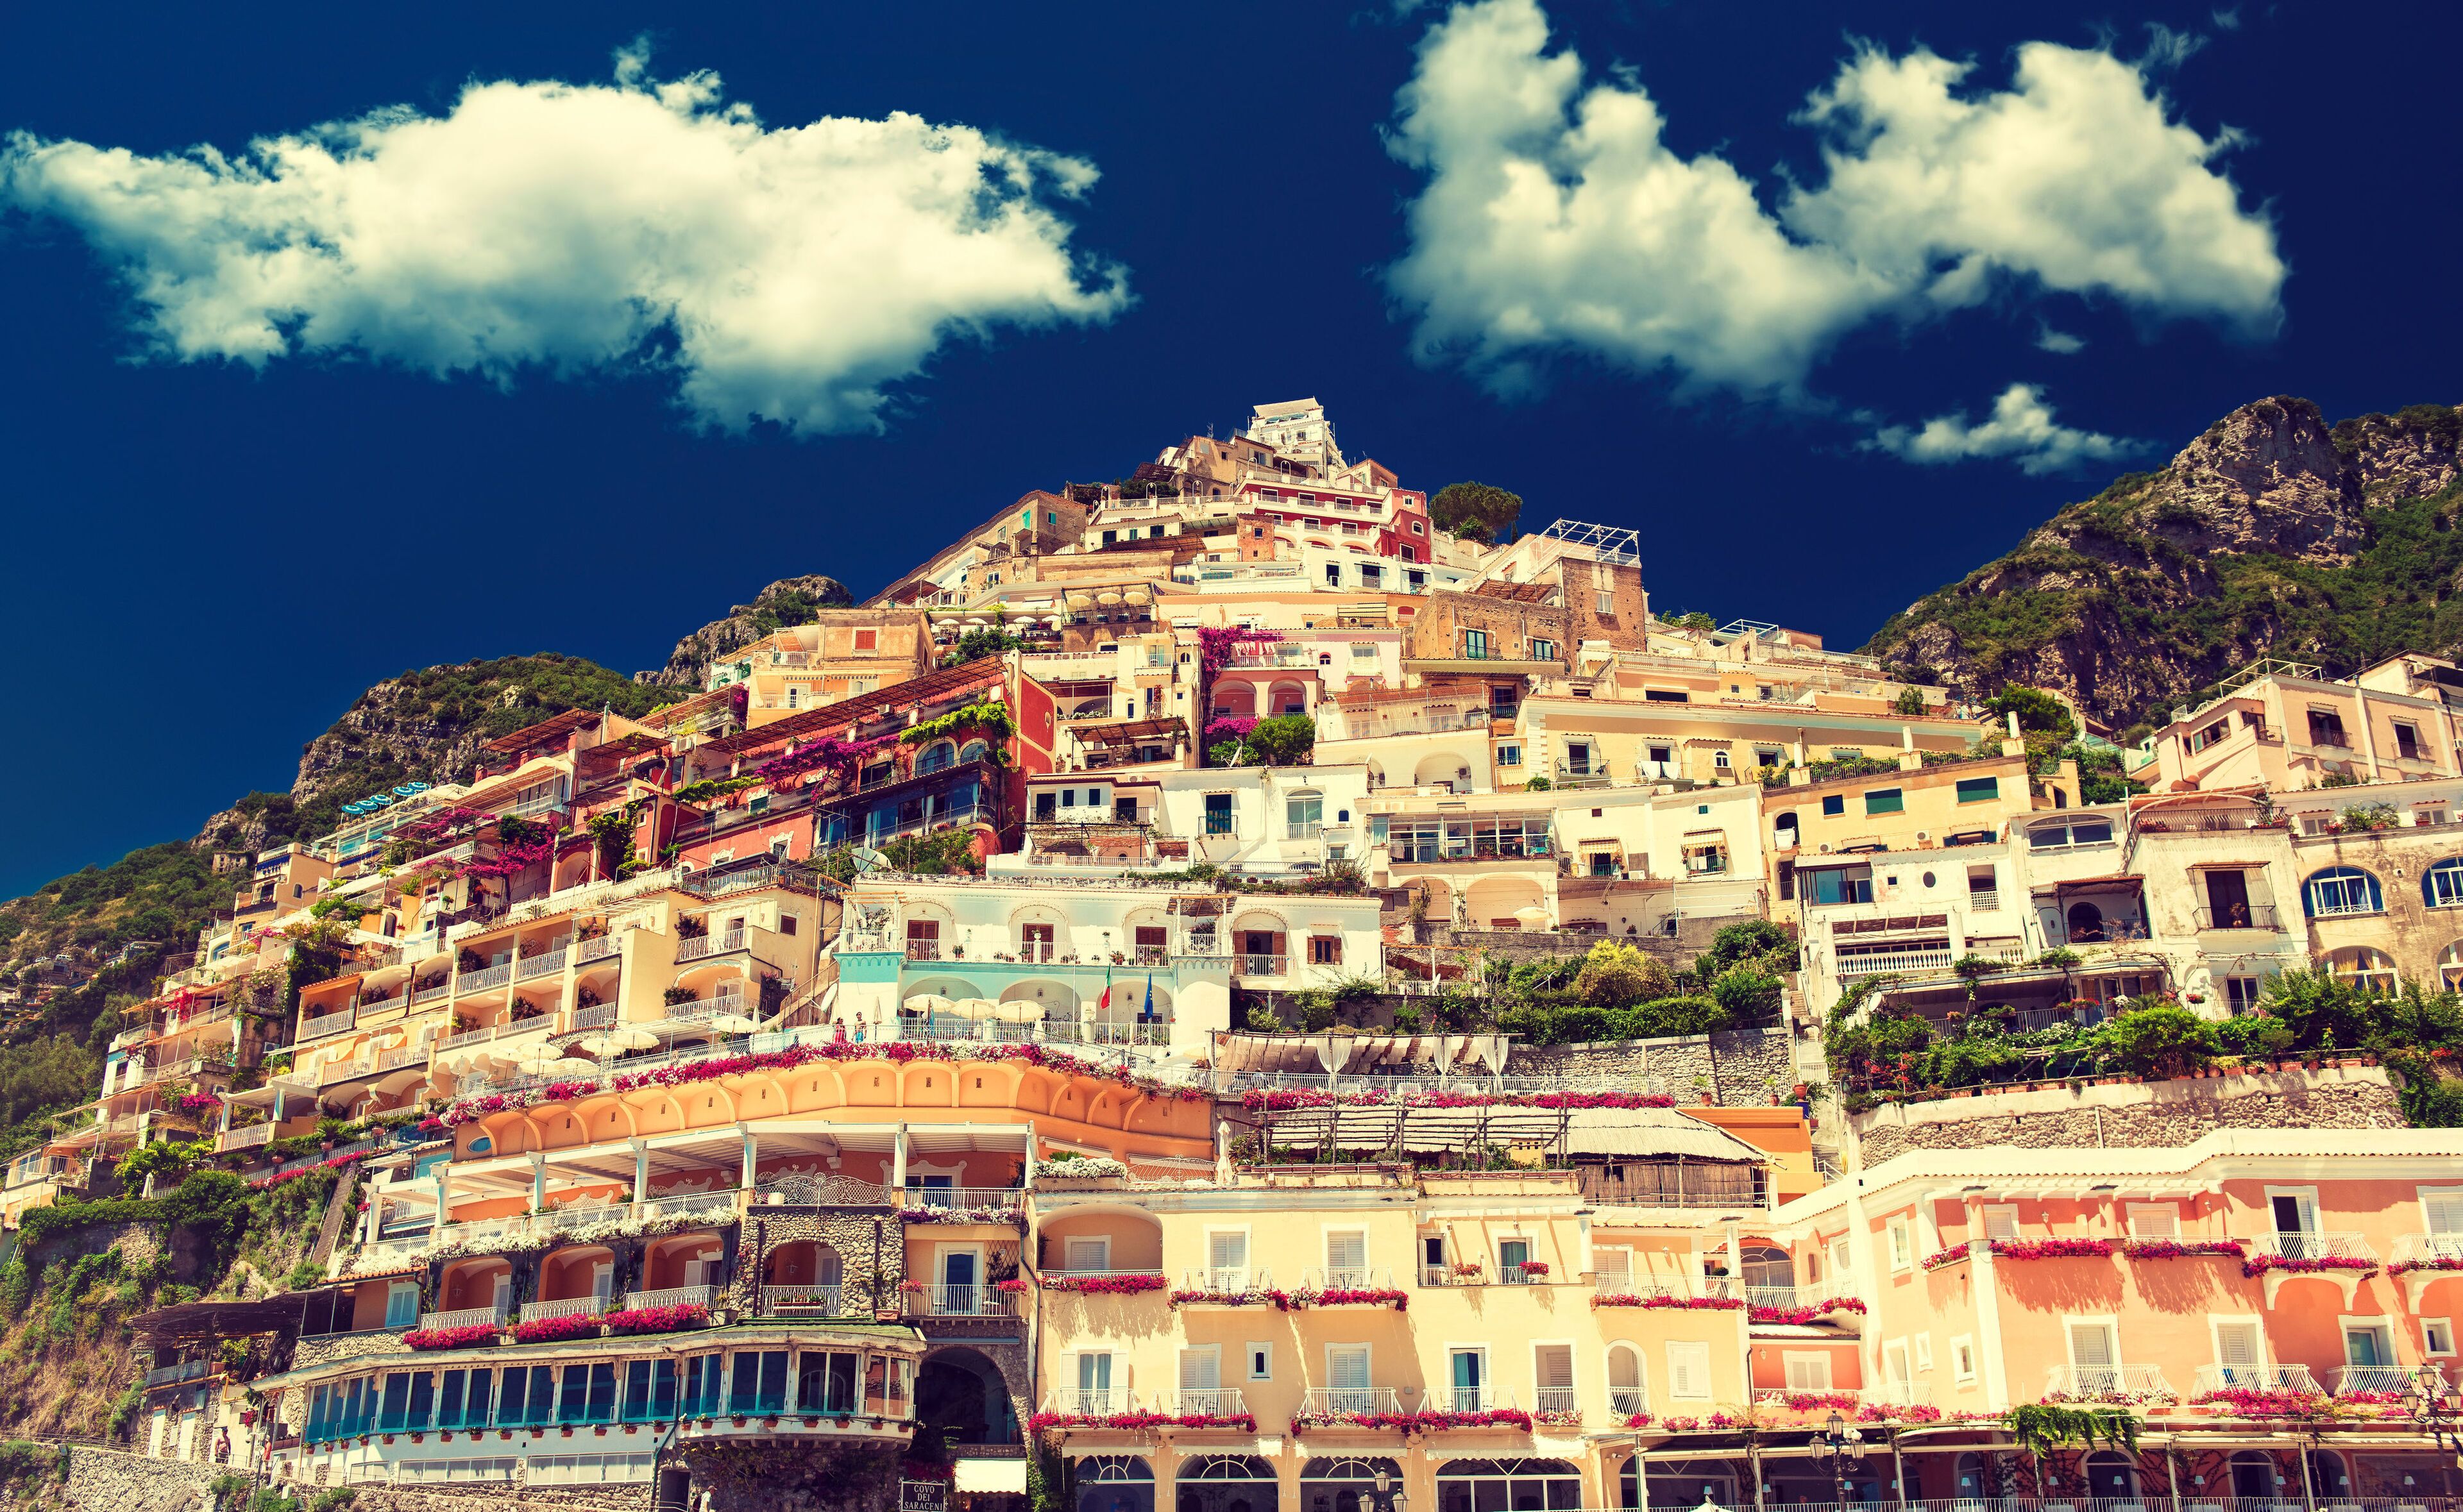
787 602
2262 537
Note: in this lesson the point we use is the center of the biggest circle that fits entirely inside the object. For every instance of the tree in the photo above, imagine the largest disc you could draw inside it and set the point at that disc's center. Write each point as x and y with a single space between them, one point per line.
1616 976
1747 992
1910 701
1476 512
2037 710
984 641
1284 740
2160 1043
1753 940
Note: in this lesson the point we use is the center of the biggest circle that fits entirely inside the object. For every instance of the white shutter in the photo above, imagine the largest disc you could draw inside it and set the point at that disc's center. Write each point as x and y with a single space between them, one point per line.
2445 1207
1088 1254
2154 1221
2090 1346
1346 1366
1615 1270
1556 1365
1227 1251
1200 1369
1346 1251
2000 1223
1808 1372
2236 1344
1688 1372
1894 1362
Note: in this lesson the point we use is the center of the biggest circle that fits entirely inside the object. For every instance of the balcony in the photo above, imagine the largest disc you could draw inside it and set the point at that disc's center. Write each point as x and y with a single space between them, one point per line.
1347 1278
1471 1399
2106 1382
2370 1380
598 1017
1090 1401
2240 916
482 980
1351 1401
1626 1400
248 1138
598 948
1227 1281
463 1318
1583 776
671 1297
1263 965
961 1301
325 1024
589 1307
1893 961
542 966
1558 1402
821 1302
2211 1379
2331 1245
705 947
1203 1402
997 1199
719 1205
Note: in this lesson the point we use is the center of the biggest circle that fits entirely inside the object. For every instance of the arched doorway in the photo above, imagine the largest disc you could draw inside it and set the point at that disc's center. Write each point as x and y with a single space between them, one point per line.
2255 1474
1225 1484
2086 922
962 1393
2328 1474
803 1275
1508 1486
1115 1483
1343 1485
2112 1474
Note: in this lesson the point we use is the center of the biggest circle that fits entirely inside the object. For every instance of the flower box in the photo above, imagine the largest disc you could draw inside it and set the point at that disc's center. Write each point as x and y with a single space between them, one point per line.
2063 1248
461 1338
556 1331
1353 1297
1813 1313
2183 1249
2405 1267
1137 1421
1940 1258
2259 1265
1627 1299
658 1320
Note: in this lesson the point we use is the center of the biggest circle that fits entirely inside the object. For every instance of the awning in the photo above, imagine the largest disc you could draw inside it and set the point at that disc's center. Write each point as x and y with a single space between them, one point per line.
990 1475
2123 883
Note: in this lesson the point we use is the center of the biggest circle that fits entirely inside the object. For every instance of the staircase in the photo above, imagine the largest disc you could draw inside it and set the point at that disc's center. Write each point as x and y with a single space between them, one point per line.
812 1005
337 1213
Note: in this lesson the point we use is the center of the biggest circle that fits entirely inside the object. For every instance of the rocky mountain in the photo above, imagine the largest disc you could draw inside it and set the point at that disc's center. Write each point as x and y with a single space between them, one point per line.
2273 534
787 602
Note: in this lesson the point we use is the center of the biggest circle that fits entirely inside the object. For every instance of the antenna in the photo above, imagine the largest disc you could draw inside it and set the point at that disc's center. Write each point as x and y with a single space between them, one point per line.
868 859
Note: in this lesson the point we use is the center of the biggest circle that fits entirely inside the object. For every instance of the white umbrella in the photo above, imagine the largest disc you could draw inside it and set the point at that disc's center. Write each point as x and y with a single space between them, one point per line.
538 1058
1019 1011
975 1008
927 1002
615 1041
732 1024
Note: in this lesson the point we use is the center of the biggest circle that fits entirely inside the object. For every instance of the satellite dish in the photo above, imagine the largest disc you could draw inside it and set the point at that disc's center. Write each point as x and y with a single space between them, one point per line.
868 859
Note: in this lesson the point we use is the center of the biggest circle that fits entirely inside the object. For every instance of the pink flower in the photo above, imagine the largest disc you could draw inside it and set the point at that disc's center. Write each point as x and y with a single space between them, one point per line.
1105 1285
450 1338
2061 1248
669 1319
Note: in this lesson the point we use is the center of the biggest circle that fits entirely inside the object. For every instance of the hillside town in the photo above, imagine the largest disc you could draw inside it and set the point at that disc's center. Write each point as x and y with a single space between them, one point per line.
1238 987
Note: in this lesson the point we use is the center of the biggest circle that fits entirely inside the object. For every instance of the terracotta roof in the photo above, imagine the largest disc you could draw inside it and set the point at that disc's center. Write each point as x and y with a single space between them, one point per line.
564 724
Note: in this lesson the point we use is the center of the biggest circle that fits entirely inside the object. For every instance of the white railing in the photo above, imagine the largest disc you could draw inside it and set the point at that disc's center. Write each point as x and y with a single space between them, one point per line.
1346 1277
688 1205
1091 1401
595 1016
249 1137
826 1300
2427 1249
1866 965
983 1301
463 1318
597 948
2213 1378
1263 965
1227 1281
2352 1380
1554 1399
1203 1402
325 1024
480 981
542 966
407 1055
1474 1398
672 1297
392 1251
2339 1245
1626 1400
589 1307
710 945
2093 1381
1001 1198
1356 1400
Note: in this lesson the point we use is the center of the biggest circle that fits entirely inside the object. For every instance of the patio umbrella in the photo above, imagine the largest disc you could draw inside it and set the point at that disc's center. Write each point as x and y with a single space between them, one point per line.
927 1002
975 1008
615 1041
1019 1011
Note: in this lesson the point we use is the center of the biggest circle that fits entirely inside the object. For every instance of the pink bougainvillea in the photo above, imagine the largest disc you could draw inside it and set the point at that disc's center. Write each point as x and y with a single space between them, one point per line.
1258 1100
2059 1249
2179 1248
2305 1265
1243 1421
1629 1299
460 1338
330 1163
556 1331
1813 1313
658 1320
1105 1285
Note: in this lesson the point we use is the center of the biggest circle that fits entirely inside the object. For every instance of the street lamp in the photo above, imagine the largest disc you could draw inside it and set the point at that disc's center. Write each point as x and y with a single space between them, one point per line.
1842 1444
1390 1497
2432 1408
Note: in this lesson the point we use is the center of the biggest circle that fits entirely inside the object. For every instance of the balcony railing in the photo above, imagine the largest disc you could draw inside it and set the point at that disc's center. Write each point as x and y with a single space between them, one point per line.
2421 1249
1866 965
2338 1244
480 981
1003 1199
1202 1401
596 1017
688 1205
2094 1382
179 1370
826 1302
671 1297
1263 965
2240 916
1626 1400
249 1137
2353 1380
705 946
463 1318
542 966
597 948
1227 1281
1092 1401
1474 1398
1361 1401
589 1307
984 1301
1346 1277
324 1023
1585 776
2213 1378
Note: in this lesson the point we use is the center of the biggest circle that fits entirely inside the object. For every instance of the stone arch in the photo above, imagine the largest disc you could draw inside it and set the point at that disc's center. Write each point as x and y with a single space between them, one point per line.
973 1392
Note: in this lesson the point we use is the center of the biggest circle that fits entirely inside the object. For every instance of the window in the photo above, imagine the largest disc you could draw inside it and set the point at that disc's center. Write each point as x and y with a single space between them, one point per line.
2326 728
402 1305
1979 790
1924 1352
1835 884
1885 800
1261 1362
2154 1221
868 640
2406 742
2436 1336
1326 950
2239 1360
2060 834
1719 761
2095 1358
2341 889
1304 816
1475 644
1834 804
2441 886
1808 1371
1962 1359
2001 1223
1218 813
1543 650
1095 1382
1688 1372
1903 1250
2240 993
1511 756
1087 1253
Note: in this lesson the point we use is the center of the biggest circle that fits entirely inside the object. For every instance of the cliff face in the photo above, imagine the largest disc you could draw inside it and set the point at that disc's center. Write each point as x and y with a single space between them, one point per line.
787 602
2271 535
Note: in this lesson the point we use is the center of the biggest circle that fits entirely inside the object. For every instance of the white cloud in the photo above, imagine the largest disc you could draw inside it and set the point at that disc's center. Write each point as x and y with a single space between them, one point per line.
1554 217
789 274
2061 343
2021 430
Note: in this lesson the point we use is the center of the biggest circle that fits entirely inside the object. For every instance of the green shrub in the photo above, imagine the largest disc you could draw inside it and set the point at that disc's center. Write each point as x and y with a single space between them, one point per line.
1665 1018
1615 976
1747 992
2159 1043
16 1286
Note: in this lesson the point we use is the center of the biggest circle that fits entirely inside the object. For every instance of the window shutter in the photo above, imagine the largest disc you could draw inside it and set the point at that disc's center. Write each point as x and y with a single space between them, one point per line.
1808 1374
1556 1366
2445 1210
1199 1371
1348 1367
1088 1253
1689 1371
1346 1251
2000 1223
1614 1268
2090 1346
2236 1344
2155 1221
1227 1251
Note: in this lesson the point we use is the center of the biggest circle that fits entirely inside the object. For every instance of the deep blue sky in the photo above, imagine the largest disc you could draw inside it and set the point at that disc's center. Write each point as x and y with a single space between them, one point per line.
208 562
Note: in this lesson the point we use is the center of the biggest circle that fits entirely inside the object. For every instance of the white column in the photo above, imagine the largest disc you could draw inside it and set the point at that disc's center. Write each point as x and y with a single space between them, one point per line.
640 1176
752 1158
2368 739
538 1182
898 1161
1027 1177
1988 1314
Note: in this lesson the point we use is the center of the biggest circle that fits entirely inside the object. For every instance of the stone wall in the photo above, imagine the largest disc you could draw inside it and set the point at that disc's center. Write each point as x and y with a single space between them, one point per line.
117 1481
866 1239
323 1349
1738 1068
502 1497
2131 1114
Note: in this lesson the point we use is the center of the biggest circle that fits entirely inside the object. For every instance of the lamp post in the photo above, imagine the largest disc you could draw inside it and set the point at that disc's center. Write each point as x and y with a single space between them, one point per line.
1842 1444
2432 1407
1390 1497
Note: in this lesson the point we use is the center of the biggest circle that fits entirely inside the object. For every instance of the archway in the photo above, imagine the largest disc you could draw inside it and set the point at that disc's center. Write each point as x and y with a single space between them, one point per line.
1115 1483
803 1275
1503 902
2112 1474
1343 1485
1508 1486
2255 1474
2086 922
962 1393
1225 1484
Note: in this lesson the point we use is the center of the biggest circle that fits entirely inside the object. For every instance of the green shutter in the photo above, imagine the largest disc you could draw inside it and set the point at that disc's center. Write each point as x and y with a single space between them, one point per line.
1885 800
1978 790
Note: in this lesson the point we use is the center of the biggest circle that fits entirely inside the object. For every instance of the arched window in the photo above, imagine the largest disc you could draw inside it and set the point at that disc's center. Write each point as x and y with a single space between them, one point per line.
2086 922
938 756
2441 886
1344 1485
2369 970
974 751
1464 1486
1115 1483
1720 760
1785 832
2449 966
2341 889
1225 1484
2255 1474
1629 1392
2112 1474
